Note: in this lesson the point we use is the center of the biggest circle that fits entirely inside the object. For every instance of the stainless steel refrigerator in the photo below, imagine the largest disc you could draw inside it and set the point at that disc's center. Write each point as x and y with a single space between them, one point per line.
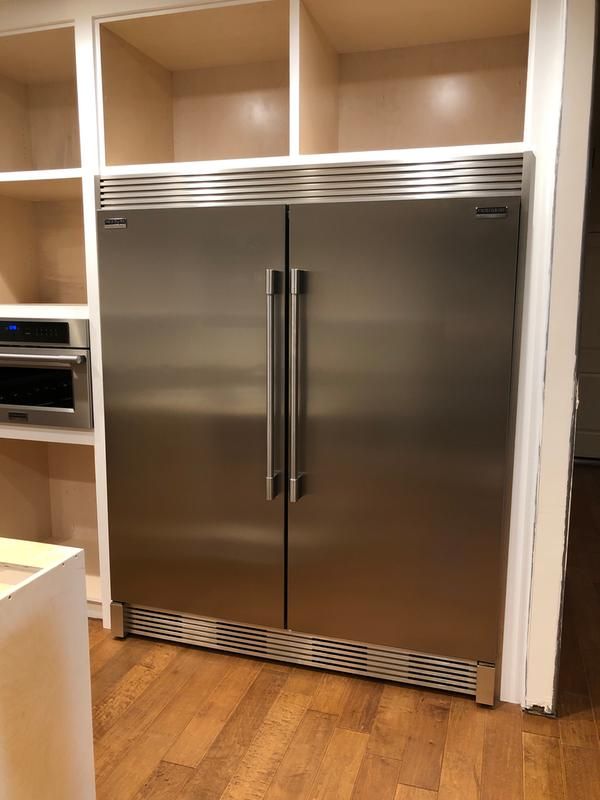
307 380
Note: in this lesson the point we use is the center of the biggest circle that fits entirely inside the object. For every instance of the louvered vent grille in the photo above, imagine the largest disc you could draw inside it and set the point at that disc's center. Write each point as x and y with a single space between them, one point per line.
372 661
498 176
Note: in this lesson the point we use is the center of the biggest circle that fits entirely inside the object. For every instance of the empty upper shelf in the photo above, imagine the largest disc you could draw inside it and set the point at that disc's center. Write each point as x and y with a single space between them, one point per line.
39 127
212 83
388 75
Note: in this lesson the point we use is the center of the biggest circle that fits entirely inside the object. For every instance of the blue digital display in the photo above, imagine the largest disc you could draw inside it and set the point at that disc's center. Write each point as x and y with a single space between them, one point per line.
34 331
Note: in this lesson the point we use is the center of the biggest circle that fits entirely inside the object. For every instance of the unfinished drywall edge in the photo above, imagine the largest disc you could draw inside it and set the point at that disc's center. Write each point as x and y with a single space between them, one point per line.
551 527
544 92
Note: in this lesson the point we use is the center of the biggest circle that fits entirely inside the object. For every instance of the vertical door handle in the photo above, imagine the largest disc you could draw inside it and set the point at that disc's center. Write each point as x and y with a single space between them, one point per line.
295 291
271 287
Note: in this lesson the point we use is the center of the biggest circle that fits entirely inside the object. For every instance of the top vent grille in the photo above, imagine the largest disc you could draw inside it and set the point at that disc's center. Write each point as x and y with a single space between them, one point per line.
479 177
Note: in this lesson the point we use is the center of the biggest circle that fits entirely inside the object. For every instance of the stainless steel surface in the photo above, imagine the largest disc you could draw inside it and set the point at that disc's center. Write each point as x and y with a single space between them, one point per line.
79 332
486 684
356 658
76 361
117 620
272 282
41 359
184 342
405 345
295 291
399 364
474 177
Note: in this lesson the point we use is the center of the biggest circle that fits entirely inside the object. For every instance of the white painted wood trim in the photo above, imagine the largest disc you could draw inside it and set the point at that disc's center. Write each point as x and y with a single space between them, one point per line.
556 455
40 433
41 175
175 9
544 99
43 311
94 611
46 688
85 32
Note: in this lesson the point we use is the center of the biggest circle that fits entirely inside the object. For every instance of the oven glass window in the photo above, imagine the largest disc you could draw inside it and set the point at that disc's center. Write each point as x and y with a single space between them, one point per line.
36 386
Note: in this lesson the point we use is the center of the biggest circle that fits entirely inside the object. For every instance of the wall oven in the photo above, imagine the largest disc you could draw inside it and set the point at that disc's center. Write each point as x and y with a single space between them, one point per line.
45 373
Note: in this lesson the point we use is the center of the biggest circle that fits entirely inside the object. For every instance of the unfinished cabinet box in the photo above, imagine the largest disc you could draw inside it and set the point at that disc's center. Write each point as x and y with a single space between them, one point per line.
39 126
386 75
41 229
205 84
48 494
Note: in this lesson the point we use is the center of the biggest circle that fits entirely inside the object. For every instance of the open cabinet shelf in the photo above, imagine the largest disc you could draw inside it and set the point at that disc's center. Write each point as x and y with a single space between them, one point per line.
48 494
39 126
41 229
388 75
212 83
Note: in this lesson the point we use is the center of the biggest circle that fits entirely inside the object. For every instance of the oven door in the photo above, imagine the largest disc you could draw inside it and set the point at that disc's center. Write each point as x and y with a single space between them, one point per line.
45 386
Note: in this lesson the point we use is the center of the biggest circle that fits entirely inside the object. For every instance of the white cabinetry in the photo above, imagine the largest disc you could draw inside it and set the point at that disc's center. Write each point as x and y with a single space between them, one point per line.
46 741
164 85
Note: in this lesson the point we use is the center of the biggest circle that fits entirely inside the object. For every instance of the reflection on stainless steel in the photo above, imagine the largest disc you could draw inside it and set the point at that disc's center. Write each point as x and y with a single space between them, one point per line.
295 291
481 176
406 320
183 313
271 289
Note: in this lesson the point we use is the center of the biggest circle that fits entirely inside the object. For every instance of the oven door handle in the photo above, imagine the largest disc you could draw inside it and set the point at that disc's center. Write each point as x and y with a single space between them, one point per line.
43 359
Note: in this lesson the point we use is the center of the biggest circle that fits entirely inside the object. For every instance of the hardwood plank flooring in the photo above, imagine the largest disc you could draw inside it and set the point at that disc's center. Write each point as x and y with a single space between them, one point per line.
176 723
543 769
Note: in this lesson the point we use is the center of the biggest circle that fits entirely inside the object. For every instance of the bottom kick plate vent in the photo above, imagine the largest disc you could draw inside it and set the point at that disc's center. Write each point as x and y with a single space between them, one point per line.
373 661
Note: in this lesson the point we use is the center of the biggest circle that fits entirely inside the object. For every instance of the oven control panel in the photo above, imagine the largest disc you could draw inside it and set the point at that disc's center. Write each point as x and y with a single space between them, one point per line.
34 332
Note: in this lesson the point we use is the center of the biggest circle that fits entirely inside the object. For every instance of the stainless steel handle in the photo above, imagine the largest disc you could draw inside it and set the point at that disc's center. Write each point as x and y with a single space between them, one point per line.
28 358
271 287
295 290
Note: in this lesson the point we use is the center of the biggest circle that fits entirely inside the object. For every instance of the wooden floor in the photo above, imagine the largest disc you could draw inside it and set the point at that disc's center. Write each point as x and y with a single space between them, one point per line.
174 723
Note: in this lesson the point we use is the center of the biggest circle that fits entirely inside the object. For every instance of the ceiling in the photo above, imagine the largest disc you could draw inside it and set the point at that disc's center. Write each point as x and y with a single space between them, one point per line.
354 26
227 35
38 57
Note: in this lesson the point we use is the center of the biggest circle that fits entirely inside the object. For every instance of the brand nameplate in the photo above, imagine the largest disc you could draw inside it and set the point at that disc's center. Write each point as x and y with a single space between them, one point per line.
115 222
491 212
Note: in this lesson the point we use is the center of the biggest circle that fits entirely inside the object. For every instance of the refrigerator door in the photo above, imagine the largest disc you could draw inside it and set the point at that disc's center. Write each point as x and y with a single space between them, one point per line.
404 335
185 327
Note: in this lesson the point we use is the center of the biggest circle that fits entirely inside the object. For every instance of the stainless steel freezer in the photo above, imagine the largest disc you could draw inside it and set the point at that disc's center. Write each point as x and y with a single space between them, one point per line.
406 325
308 412
183 327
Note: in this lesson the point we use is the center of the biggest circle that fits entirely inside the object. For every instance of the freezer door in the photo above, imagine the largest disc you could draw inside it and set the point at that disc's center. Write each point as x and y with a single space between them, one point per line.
186 319
401 354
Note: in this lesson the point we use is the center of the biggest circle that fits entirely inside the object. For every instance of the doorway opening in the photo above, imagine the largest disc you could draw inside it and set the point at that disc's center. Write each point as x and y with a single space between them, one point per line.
579 674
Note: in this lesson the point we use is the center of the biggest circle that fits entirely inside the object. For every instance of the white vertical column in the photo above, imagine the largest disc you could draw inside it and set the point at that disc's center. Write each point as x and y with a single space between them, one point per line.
90 162
542 120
